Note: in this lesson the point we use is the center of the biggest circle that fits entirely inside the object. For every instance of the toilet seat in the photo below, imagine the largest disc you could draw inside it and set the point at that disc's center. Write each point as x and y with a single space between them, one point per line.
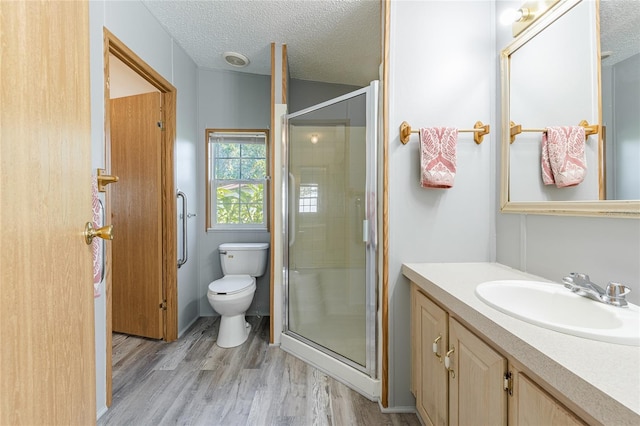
231 284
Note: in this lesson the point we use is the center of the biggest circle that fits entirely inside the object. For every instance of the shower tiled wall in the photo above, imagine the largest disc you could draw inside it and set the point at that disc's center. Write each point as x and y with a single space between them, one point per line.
332 236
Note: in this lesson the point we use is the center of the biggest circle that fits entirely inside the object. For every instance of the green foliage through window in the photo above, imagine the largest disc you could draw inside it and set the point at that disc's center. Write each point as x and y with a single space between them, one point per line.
240 204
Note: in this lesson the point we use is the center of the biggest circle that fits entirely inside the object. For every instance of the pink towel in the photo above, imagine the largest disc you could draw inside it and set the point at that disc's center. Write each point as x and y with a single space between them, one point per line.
97 242
563 158
438 156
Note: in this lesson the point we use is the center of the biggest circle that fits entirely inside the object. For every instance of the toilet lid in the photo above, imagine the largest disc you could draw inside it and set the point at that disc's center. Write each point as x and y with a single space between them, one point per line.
230 284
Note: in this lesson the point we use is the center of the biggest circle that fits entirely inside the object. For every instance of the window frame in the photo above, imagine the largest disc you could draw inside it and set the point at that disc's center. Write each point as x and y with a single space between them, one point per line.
211 200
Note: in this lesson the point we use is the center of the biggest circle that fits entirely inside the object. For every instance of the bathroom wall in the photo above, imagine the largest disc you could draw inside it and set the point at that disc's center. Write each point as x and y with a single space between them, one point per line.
442 73
228 100
135 26
608 249
305 93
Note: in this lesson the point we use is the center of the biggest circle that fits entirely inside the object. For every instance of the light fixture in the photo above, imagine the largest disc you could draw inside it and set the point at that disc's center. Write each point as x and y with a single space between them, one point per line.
510 16
314 139
527 14
524 14
235 59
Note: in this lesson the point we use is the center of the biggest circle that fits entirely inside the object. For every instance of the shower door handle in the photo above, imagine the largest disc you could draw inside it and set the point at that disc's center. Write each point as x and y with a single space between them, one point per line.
292 213
365 231
183 259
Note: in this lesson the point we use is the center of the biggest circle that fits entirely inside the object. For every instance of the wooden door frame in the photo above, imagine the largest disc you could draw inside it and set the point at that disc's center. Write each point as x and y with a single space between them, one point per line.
112 45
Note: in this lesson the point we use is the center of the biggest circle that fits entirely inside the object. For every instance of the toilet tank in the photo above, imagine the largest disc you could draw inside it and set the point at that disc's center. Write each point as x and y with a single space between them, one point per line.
243 258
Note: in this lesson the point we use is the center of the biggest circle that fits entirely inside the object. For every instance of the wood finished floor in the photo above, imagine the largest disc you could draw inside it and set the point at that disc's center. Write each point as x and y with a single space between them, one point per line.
194 382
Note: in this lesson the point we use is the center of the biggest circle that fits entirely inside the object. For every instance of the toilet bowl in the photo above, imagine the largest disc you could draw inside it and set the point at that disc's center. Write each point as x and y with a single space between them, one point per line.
231 295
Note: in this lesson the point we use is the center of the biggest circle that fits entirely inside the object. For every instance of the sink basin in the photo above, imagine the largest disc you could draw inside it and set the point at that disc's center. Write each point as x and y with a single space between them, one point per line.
552 306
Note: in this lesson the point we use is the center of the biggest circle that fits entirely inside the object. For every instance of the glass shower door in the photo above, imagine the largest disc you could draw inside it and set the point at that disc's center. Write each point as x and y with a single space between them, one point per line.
331 226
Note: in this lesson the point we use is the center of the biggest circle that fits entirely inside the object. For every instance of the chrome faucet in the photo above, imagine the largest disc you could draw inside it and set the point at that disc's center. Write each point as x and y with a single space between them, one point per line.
580 284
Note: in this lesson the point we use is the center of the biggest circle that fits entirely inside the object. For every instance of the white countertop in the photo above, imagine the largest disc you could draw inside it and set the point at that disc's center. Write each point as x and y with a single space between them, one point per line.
601 378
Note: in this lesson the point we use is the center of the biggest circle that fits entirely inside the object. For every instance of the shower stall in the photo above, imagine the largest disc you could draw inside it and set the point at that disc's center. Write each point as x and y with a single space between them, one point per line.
330 224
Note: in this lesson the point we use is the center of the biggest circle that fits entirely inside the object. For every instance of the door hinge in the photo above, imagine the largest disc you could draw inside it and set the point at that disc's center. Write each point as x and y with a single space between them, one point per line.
161 125
508 383
163 305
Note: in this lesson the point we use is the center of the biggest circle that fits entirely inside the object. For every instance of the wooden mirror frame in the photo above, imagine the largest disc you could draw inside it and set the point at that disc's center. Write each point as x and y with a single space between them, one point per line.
610 208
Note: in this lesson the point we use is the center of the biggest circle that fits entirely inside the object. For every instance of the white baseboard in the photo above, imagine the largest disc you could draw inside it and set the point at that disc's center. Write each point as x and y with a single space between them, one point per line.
184 330
101 412
356 380
398 409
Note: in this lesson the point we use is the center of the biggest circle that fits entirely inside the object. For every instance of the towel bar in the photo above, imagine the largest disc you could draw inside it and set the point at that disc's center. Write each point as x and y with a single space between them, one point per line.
589 129
104 179
479 130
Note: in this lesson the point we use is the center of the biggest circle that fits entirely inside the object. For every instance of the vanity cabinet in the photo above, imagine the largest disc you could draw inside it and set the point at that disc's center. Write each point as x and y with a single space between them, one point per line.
532 405
459 379
476 378
429 378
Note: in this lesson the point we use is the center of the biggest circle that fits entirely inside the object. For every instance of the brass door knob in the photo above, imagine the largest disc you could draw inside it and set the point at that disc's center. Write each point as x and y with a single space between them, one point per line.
106 232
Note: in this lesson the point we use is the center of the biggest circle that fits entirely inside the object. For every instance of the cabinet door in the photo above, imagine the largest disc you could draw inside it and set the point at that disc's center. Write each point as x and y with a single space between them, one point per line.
476 392
531 405
430 323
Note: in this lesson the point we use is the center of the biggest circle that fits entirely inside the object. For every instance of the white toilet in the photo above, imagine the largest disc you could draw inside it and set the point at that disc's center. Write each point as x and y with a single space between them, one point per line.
232 294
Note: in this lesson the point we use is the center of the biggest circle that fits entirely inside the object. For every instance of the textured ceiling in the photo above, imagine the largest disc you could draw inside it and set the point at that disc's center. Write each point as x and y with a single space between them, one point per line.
334 41
619 29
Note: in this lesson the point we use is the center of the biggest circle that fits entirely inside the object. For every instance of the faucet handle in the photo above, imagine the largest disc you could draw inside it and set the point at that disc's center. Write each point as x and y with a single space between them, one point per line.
616 292
574 280
580 276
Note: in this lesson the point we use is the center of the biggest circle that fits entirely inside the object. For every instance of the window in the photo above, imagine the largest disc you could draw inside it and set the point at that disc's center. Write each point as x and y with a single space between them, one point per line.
308 201
237 170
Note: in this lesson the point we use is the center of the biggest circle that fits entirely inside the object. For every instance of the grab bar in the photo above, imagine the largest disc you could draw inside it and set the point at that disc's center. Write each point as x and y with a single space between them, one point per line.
292 215
104 262
183 216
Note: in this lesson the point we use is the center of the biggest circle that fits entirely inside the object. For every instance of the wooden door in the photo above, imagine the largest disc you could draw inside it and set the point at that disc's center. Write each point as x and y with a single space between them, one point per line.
136 215
531 405
476 393
47 342
430 324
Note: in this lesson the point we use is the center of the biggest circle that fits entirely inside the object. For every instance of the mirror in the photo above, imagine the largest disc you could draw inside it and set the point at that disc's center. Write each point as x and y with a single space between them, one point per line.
551 77
620 79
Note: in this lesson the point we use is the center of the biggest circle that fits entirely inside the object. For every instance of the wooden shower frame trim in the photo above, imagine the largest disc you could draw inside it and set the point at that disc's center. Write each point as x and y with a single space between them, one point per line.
113 45
284 82
385 5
